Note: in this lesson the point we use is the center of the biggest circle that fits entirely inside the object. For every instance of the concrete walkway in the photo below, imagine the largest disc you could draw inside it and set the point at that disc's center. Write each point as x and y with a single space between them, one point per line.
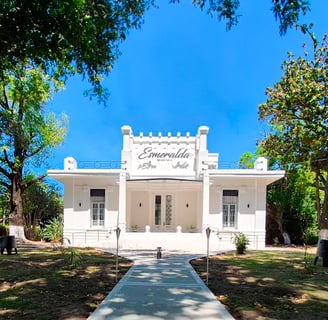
155 289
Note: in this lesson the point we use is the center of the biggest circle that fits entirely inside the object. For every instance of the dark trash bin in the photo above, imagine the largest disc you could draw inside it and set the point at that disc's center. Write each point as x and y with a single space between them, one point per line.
8 243
322 252
159 253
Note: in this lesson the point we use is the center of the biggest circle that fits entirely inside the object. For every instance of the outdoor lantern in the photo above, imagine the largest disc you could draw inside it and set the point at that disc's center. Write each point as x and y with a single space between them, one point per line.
208 232
118 232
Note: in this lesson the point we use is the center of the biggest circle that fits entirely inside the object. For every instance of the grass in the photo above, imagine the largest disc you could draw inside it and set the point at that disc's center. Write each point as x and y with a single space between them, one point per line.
55 284
268 284
47 284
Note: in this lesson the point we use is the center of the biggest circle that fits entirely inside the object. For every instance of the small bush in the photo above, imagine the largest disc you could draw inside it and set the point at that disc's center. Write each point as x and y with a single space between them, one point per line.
3 231
53 231
241 241
311 236
36 236
72 256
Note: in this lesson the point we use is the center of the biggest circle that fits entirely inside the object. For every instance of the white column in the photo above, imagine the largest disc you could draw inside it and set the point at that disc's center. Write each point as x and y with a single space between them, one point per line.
121 219
202 153
126 153
206 201
260 215
202 132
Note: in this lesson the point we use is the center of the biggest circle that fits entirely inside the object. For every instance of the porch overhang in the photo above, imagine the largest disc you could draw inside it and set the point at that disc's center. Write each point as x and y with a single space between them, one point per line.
165 183
267 177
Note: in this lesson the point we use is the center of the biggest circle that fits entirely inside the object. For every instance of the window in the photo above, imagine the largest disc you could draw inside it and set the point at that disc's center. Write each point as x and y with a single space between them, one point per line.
168 210
97 197
230 208
158 210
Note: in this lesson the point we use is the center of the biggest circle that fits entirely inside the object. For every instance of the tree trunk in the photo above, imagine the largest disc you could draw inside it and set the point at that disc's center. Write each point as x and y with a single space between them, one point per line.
16 218
274 229
322 210
323 220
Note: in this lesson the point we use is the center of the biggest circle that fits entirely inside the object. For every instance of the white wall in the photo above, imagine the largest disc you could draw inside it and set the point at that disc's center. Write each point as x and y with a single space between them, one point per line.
138 215
77 205
247 205
186 217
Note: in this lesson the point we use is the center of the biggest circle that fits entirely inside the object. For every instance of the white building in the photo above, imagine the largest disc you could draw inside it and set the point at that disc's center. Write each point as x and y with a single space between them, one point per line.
166 192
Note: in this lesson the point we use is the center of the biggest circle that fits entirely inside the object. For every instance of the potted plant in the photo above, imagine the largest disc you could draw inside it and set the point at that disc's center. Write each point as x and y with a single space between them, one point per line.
134 228
241 241
192 229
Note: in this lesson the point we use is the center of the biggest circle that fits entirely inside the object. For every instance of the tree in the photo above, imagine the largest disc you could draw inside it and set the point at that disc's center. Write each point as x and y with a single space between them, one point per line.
297 112
291 207
287 12
290 202
83 36
67 37
41 202
247 160
27 132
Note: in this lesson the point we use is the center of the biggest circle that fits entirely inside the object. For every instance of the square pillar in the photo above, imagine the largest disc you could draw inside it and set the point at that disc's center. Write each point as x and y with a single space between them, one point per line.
206 201
121 218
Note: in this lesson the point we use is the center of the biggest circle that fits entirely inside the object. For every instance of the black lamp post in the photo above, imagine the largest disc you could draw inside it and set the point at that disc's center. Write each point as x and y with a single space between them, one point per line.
208 233
118 232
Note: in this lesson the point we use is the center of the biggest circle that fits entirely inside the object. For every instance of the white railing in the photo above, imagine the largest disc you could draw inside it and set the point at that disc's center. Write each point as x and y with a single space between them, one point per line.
107 237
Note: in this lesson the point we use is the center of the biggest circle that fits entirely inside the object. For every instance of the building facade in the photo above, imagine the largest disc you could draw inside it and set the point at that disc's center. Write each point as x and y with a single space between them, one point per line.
166 192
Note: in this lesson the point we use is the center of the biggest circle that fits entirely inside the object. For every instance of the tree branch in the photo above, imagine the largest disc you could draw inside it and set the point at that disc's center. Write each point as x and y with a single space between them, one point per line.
33 181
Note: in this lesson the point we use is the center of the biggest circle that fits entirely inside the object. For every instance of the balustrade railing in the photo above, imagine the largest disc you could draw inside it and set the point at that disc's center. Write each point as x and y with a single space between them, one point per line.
120 164
100 164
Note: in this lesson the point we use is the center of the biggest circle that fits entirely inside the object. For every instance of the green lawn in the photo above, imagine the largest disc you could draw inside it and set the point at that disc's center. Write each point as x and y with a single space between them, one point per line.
49 284
43 284
269 284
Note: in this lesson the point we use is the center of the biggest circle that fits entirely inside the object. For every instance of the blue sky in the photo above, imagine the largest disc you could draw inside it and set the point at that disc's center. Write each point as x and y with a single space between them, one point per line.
181 70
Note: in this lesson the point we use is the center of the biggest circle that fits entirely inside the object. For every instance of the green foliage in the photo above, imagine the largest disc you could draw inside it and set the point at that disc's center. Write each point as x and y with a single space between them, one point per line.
311 236
247 160
291 201
68 37
83 37
3 231
28 132
287 12
42 202
241 241
296 110
294 198
36 234
72 256
53 231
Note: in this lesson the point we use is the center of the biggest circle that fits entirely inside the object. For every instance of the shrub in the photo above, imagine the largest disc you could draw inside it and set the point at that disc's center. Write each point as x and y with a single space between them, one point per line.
241 241
3 231
54 230
311 236
72 256
36 235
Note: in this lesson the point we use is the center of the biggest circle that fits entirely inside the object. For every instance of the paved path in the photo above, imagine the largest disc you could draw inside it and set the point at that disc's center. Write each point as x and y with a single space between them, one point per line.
155 289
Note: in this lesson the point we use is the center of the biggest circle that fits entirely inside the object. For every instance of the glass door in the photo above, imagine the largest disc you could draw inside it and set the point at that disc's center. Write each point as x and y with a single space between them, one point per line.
163 212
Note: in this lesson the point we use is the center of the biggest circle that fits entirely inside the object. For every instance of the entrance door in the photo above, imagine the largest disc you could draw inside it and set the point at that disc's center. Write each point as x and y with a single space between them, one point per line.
163 212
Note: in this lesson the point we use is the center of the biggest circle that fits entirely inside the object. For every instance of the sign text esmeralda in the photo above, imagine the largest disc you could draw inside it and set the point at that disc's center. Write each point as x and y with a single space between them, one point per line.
148 153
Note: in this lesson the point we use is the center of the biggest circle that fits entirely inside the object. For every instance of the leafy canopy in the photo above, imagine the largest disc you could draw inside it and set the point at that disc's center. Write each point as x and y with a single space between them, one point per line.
83 36
296 110
28 132
67 37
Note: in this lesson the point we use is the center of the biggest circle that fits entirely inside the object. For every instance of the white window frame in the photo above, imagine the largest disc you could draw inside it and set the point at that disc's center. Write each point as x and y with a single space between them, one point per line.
230 202
97 219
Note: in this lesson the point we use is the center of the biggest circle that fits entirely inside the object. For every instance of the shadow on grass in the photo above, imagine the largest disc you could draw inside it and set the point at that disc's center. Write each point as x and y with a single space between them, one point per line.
274 285
39 284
